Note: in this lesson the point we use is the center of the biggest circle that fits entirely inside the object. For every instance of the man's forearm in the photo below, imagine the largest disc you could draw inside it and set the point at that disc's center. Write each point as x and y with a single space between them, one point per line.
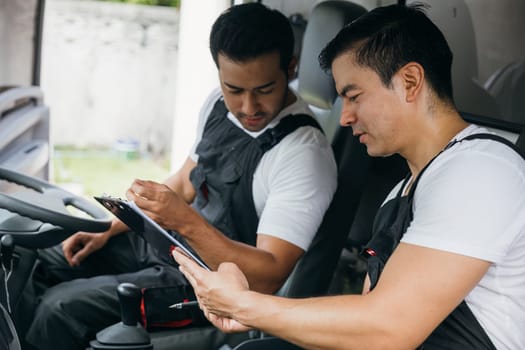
215 248
266 266
318 323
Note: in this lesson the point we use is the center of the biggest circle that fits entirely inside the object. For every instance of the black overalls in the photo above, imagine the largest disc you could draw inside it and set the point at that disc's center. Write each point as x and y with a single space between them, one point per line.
223 177
460 330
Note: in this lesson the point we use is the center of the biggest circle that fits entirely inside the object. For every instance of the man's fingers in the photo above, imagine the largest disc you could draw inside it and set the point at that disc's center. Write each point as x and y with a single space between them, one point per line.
143 190
137 191
68 248
80 255
188 276
69 257
187 266
181 257
67 252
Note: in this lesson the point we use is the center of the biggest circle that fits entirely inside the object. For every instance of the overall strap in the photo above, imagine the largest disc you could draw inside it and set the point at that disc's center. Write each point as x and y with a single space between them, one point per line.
479 136
494 137
223 177
287 125
247 224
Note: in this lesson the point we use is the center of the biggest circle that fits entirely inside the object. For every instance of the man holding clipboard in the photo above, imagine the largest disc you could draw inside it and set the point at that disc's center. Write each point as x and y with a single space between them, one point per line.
253 191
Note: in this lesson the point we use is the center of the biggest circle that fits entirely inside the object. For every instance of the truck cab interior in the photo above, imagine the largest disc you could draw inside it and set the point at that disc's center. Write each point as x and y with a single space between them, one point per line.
489 90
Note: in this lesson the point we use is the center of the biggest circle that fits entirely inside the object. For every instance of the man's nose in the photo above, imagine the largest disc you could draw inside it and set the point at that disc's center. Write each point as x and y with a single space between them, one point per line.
348 116
249 104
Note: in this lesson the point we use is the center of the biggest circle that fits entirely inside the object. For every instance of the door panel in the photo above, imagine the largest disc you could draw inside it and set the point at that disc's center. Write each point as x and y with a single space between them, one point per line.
24 132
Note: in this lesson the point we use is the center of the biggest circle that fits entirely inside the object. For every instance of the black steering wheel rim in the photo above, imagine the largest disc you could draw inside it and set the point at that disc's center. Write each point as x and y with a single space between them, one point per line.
33 205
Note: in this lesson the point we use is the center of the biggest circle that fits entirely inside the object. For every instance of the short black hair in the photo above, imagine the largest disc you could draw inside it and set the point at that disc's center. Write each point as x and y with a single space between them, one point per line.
387 38
246 31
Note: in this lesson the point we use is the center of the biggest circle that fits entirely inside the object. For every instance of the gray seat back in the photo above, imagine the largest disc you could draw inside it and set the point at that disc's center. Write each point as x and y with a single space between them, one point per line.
325 20
454 19
313 273
316 87
507 85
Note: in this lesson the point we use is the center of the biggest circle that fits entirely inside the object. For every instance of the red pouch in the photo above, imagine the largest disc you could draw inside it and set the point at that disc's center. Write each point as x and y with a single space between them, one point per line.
156 312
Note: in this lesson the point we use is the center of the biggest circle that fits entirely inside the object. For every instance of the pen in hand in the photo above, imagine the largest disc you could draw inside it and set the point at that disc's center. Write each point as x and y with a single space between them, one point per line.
184 304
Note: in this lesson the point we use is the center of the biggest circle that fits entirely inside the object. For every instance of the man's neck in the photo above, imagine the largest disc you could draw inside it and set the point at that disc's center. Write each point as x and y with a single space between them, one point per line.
432 138
289 99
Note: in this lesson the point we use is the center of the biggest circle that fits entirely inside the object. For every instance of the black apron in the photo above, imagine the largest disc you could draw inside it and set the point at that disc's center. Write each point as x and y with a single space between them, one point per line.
460 330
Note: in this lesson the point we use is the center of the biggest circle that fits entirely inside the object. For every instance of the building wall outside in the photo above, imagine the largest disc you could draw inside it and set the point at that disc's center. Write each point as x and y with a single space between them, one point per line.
108 73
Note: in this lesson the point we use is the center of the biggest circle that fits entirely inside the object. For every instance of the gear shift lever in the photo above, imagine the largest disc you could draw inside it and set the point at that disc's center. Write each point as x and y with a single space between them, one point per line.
129 296
6 257
6 250
128 334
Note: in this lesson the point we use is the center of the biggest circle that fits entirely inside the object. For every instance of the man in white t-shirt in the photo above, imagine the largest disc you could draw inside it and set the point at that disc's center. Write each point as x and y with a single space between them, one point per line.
253 191
446 262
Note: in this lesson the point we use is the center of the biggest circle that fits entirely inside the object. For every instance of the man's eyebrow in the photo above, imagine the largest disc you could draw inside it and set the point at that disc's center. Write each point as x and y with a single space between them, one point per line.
347 88
263 86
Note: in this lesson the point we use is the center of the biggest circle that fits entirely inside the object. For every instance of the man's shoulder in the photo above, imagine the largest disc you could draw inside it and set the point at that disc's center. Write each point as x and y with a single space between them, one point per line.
301 109
471 149
210 101
474 165
299 106
305 142
304 136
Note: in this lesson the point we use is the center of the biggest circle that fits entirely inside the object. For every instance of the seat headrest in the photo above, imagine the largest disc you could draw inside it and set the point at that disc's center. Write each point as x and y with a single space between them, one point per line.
507 85
326 19
453 17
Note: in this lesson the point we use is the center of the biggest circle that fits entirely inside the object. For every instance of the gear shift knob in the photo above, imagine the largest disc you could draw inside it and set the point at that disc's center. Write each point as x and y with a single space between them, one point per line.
6 250
129 296
128 334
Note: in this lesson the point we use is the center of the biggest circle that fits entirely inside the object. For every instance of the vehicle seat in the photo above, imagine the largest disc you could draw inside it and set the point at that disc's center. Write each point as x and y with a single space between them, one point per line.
298 23
507 85
453 17
313 273
358 172
314 85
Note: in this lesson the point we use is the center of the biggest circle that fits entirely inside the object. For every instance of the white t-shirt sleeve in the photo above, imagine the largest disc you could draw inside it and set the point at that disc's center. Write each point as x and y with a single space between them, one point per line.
299 185
468 205
204 113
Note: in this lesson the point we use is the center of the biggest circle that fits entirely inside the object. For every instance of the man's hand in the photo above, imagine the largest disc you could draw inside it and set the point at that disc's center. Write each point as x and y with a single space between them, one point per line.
160 203
80 245
215 291
266 266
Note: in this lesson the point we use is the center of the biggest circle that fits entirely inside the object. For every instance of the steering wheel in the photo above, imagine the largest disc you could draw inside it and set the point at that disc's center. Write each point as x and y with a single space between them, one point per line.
46 203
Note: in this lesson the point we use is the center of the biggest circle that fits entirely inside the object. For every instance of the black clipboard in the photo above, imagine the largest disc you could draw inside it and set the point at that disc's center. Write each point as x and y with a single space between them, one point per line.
162 241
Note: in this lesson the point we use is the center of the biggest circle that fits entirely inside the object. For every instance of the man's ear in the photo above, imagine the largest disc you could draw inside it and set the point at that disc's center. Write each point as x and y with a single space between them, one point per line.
292 68
413 76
